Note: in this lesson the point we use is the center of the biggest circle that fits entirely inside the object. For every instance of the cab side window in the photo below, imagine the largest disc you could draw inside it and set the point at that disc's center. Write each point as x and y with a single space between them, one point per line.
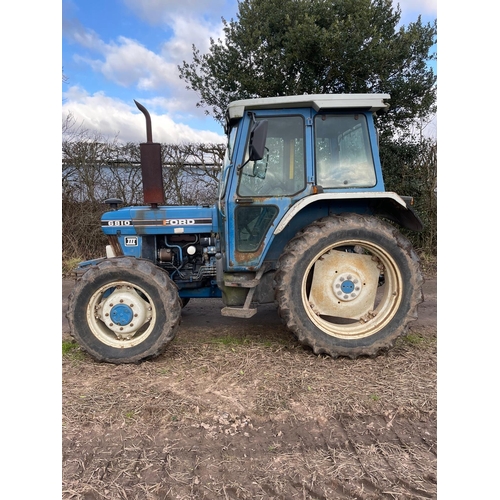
343 152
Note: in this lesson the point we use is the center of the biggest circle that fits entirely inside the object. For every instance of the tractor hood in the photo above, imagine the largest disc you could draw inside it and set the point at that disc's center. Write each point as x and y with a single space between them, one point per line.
161 220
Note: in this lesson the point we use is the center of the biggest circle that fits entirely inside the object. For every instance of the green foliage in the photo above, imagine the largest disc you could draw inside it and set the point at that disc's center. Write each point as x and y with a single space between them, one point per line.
288 47
410 168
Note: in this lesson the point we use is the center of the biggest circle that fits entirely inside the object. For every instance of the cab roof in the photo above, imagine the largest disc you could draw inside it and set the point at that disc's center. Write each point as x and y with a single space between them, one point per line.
366 102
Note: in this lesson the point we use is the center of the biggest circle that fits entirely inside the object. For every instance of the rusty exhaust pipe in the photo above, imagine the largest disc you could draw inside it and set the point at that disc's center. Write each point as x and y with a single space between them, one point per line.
151 167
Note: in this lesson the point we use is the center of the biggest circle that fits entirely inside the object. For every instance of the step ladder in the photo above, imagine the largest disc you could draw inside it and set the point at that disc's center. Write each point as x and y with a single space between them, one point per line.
246 311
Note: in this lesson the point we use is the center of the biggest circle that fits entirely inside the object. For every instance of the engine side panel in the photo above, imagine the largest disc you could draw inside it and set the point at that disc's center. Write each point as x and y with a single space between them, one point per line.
163 220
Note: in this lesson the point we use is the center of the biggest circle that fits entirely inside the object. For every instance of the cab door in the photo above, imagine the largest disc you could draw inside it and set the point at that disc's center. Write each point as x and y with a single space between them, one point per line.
262 191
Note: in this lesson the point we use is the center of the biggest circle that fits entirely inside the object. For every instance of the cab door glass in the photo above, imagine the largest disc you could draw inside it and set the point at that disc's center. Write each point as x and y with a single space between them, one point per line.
252 224
281 172
343 152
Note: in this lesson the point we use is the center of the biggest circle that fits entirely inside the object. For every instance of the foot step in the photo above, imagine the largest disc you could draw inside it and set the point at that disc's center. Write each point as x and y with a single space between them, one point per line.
238 312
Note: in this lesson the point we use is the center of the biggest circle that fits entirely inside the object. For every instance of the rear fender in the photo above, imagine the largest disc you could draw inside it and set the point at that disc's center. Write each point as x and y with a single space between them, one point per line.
383 204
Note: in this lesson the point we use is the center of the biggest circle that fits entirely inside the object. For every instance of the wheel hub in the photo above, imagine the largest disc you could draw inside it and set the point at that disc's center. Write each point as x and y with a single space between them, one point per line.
124 312
347 286
121 314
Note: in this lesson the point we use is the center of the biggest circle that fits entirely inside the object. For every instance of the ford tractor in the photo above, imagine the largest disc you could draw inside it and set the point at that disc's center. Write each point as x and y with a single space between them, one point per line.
302 220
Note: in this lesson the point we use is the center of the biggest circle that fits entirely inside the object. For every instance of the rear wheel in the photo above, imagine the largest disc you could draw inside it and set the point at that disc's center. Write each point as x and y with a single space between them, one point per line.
348 285
124 310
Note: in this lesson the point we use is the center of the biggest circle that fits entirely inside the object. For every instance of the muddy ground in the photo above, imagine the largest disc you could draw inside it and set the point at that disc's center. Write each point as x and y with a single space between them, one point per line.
237 409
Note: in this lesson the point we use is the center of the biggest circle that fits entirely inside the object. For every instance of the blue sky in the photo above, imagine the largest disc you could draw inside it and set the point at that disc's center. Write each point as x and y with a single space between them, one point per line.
115 51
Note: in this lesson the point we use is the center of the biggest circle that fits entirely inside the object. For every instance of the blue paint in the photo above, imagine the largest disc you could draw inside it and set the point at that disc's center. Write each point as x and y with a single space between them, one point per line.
121 314
206 292
347 286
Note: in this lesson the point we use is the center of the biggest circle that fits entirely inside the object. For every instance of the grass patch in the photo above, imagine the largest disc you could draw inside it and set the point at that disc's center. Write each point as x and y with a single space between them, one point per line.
416 339
229 340
71 350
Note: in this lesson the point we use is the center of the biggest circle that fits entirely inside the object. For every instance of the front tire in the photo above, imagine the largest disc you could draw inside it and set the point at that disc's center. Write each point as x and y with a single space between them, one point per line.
124 310
348 285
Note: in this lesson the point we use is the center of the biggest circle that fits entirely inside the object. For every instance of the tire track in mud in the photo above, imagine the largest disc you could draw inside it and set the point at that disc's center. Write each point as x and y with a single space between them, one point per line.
338 458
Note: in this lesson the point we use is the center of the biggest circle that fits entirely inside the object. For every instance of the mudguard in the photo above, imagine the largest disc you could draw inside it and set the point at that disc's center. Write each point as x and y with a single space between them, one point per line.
384 204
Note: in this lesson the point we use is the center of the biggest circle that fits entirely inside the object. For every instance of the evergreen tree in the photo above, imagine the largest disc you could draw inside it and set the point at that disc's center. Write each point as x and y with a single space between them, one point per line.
289 47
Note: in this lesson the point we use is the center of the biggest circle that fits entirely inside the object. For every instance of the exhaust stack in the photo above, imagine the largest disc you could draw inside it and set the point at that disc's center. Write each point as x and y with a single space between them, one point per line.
152 178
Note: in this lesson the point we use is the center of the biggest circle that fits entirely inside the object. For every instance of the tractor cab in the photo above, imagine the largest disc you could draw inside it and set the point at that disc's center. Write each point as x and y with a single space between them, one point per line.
291 160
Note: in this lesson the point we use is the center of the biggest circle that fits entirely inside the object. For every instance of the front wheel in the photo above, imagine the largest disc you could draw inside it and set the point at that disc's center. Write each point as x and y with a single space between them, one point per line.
348 285
124 310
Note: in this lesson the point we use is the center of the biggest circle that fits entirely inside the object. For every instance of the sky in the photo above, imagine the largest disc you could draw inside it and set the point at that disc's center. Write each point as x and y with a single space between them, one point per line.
115 51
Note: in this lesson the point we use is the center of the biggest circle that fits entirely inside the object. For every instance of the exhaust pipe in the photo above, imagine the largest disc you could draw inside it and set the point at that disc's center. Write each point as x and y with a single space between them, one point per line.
151 167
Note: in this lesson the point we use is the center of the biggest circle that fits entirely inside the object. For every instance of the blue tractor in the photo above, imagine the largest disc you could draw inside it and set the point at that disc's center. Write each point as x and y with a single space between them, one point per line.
302 220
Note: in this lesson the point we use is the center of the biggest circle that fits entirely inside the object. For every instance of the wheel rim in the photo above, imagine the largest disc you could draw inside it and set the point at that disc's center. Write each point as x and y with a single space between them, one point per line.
121 314
352 289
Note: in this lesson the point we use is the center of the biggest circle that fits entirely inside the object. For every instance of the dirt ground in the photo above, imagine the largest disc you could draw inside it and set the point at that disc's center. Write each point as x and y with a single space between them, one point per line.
237 409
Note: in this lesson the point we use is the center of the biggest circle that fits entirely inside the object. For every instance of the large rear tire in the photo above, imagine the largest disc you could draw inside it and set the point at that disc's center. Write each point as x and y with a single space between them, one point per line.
124 310
348 285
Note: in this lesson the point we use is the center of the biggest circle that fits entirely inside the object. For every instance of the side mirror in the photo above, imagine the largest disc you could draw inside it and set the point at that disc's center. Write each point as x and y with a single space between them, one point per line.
257 143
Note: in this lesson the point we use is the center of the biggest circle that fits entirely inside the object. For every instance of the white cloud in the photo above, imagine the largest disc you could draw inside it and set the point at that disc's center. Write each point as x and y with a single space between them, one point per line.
186 33
112 117
87 38
128 63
